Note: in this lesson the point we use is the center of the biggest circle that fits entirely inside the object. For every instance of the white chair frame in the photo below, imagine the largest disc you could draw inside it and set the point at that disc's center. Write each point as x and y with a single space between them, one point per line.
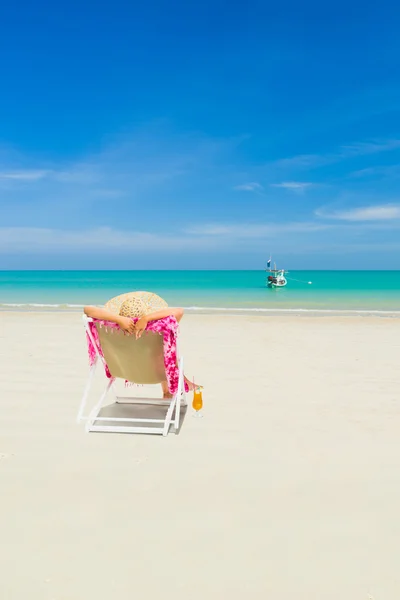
94 421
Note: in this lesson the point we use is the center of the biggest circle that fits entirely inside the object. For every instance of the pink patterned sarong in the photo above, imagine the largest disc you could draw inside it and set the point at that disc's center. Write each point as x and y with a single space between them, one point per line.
167 327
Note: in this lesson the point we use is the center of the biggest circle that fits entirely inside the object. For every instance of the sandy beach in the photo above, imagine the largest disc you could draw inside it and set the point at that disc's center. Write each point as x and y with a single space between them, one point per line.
288 488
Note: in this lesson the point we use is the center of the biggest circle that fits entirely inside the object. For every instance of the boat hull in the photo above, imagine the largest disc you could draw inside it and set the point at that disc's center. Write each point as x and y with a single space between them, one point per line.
278 284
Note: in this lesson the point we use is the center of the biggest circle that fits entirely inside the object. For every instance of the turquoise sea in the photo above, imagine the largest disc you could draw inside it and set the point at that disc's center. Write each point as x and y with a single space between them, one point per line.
330 290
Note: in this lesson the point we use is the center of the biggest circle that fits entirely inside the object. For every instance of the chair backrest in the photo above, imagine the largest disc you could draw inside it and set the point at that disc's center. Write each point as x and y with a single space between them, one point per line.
139 361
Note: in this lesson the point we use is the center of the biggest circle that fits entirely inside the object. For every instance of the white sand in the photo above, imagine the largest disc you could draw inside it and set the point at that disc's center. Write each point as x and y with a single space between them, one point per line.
288 488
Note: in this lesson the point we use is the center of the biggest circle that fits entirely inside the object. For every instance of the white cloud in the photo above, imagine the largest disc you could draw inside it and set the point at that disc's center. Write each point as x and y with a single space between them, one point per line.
80 174
249 187
381 171
252 230
153 167
37 240
382 212
369 147
210 229
25 175
295 186
301 160
364 172
355 149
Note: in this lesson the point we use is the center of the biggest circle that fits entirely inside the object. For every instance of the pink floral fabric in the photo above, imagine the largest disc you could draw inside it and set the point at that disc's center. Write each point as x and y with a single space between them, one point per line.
167 327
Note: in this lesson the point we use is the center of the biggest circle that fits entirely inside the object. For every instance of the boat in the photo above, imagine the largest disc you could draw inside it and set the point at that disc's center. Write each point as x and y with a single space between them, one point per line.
276 277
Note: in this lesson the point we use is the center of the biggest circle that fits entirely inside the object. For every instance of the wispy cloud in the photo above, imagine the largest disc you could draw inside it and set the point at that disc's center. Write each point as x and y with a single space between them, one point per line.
249 187
368 147
254 230
294 186
300 161
162 195
80 174
24 175
346 151
381 212
390 171
102 240
367 172
36 240
156 171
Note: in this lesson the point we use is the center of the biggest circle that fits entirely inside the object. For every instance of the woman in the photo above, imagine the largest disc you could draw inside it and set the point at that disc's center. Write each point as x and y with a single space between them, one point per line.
140 305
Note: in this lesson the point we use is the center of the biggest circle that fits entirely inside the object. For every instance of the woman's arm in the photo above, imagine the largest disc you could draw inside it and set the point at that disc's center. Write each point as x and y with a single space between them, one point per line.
156 316
101 313
165 312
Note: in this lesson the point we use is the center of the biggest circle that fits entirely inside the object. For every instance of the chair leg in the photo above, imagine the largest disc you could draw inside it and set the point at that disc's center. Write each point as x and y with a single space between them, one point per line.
177 413
169 415
180 394
95 411
86 392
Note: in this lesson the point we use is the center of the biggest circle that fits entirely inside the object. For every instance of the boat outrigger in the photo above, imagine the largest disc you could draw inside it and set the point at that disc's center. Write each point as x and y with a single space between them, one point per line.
276 277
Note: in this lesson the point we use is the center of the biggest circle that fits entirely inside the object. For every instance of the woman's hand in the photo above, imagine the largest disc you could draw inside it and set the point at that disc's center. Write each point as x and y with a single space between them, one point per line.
127 325
140 327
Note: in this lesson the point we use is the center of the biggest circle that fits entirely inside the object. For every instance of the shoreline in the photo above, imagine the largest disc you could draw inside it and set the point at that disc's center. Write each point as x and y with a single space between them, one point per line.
17 308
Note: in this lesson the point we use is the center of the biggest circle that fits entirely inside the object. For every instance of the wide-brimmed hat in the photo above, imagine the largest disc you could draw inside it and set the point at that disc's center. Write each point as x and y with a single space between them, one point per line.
135 304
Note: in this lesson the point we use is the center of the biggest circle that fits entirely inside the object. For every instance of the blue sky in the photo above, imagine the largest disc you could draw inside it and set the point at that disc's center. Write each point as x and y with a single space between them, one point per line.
182 135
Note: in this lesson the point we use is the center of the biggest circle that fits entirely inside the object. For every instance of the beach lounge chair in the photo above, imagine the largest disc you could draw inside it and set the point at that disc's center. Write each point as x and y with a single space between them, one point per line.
134 360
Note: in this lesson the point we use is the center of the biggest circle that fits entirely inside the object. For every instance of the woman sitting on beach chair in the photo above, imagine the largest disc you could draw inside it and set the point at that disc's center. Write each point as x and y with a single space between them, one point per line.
141 306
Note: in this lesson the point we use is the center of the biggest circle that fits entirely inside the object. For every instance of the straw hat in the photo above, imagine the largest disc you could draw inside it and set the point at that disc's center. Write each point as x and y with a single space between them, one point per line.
135 304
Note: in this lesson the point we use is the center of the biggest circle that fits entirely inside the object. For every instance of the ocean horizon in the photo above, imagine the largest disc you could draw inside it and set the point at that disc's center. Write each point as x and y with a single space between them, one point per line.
205 290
